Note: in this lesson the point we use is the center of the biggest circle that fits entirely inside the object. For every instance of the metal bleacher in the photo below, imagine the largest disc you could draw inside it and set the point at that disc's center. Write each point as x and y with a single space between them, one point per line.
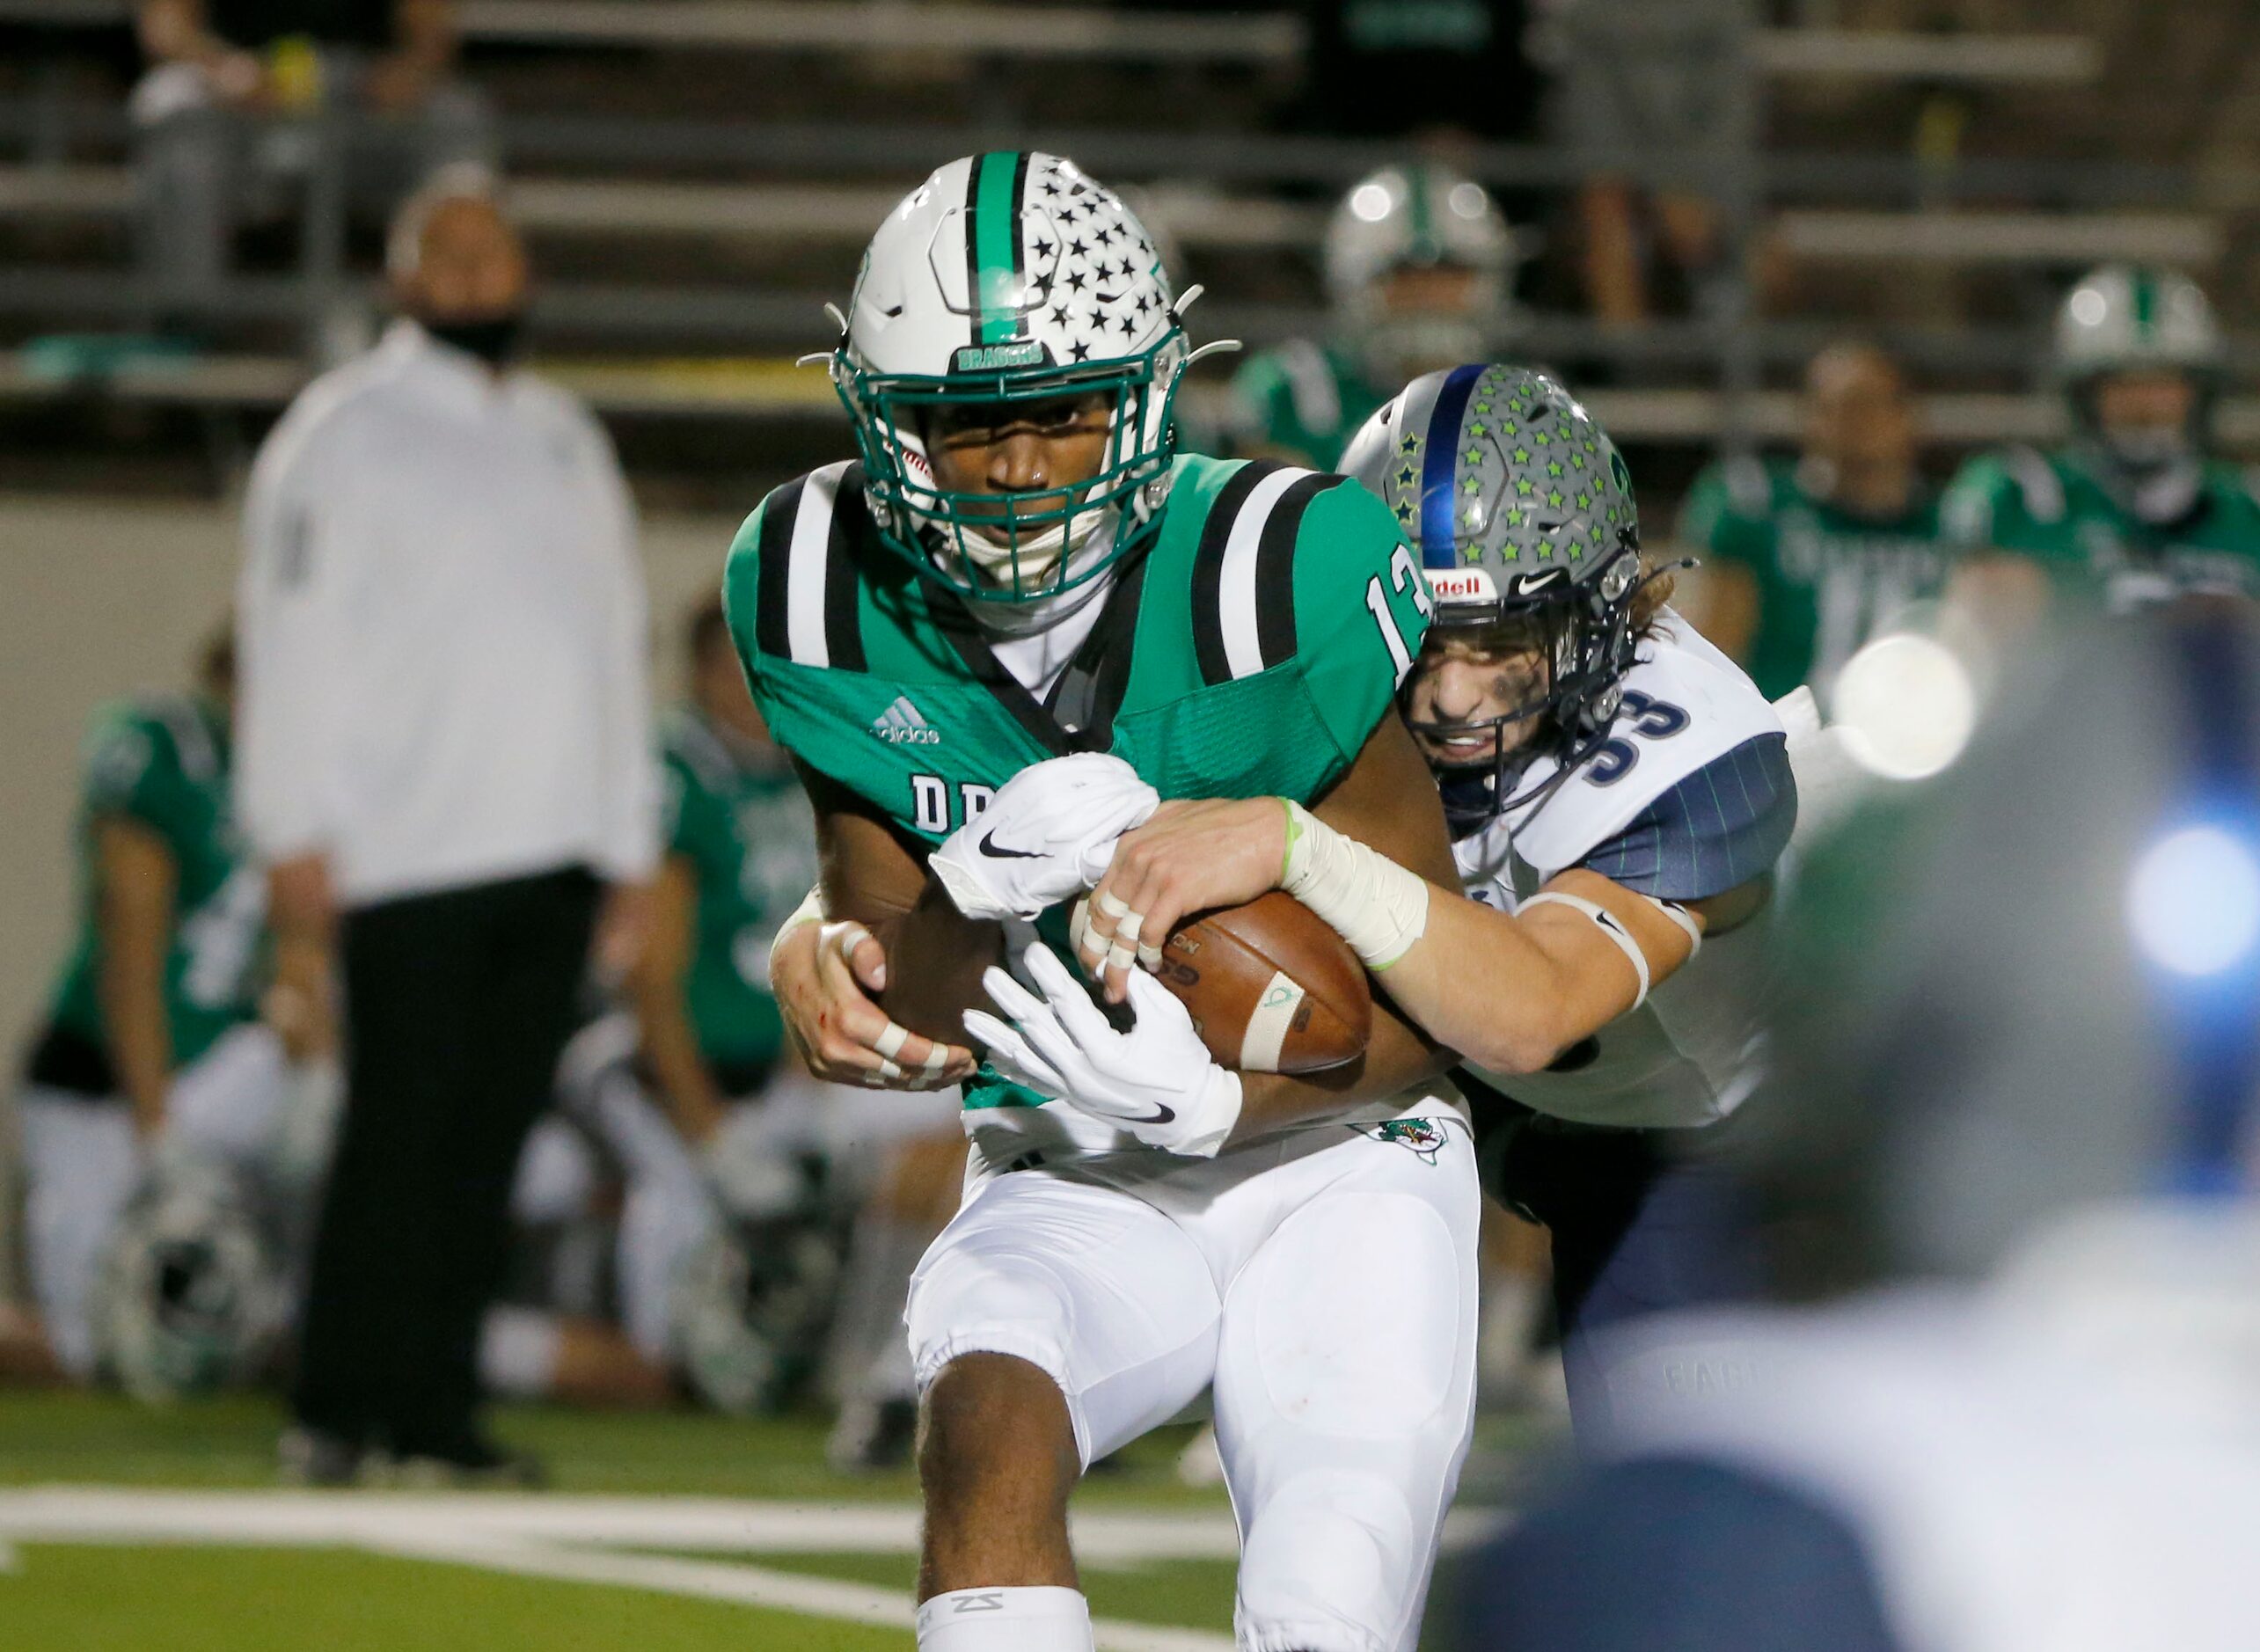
695 249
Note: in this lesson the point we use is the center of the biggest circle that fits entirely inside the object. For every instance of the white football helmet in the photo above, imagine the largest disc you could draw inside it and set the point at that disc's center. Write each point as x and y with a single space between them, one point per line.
1419 216
1012 277
2126 318
188 1298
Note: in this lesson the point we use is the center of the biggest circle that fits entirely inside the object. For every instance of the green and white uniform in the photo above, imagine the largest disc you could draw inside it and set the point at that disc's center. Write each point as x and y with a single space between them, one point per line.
745 827
163 764
1250 651
1300 402
2056 509
1827 579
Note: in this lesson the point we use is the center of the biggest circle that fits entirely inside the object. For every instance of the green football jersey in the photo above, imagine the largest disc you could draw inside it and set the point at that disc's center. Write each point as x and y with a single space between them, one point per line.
164 764
1250 649
1301 402
2053 508
744 826
1827 580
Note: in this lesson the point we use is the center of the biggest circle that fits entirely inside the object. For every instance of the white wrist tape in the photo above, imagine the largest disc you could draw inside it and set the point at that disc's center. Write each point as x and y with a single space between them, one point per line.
1607 924
811 911
1368 899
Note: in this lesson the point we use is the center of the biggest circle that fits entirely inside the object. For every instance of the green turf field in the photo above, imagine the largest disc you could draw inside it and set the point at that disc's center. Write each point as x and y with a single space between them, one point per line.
123 1527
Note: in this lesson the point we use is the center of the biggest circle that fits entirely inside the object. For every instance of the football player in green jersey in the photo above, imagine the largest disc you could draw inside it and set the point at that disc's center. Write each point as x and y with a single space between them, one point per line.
1804 561
2134 509
1021 567
1419 265
153 1034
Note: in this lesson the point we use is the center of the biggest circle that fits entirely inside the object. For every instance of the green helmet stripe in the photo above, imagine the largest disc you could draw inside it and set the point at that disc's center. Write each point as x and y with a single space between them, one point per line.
2146 304
993 250
1424 245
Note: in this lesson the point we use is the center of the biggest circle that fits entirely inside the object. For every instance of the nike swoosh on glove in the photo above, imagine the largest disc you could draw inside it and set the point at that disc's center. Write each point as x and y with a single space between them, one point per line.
1157 1081
1047 835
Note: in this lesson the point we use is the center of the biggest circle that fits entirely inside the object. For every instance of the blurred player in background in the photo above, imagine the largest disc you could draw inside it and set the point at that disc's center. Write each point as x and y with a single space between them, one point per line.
1419 273
2012 1150
2136 507
153 1053
1022 568
1804 560
1619 794
733 1163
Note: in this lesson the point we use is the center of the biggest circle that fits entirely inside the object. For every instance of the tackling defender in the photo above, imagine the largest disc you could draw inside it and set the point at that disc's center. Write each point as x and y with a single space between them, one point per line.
1619 792
1020 567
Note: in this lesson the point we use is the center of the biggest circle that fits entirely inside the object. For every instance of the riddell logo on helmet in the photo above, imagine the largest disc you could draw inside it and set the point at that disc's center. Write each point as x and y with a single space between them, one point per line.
1462 585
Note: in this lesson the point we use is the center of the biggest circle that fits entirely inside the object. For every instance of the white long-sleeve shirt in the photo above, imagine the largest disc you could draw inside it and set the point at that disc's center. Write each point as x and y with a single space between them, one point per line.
443 632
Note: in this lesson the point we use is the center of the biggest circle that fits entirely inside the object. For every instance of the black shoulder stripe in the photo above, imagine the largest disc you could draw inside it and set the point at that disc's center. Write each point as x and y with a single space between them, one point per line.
843 622
1208 570
772 616
1275 569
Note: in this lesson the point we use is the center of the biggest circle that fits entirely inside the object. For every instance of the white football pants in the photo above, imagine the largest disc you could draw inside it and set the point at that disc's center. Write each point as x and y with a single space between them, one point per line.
1321 1285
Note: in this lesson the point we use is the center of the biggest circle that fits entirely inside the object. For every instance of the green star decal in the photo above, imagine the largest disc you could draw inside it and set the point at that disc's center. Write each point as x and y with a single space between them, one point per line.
1512 553
1479 429
1513 517
1475 455
1576 552
1589 447
1471 553
1522 456
1553 497
1522 486
1404 513
1577 461
1406 477
1541 438
1410 444
1553 467
1507 427
1471 484
1482 406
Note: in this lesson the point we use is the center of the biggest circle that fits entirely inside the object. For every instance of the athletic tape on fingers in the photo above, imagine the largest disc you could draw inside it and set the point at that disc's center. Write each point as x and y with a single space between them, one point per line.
890 1042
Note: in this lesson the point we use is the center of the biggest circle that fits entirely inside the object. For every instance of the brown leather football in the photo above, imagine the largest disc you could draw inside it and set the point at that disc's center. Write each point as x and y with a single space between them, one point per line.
1271 986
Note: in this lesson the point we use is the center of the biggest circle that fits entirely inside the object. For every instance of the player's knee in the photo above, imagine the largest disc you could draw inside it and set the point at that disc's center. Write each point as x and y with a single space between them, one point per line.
1335 1561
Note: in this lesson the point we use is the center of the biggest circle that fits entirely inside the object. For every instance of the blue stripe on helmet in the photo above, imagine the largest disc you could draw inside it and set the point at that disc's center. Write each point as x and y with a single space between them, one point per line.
1439 468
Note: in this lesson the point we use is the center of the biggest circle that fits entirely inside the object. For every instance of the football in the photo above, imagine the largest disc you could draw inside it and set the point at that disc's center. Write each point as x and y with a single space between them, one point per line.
1272 988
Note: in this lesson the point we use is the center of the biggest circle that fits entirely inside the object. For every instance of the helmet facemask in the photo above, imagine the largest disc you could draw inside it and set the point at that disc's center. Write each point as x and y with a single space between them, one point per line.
1584 636
1005 546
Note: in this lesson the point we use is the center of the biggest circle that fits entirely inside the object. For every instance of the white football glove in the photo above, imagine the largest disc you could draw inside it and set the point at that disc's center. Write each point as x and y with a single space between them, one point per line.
1157 1081
1048 833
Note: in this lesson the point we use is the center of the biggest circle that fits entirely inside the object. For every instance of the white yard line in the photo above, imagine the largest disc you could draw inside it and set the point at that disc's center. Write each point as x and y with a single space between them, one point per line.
565 1538
595 1540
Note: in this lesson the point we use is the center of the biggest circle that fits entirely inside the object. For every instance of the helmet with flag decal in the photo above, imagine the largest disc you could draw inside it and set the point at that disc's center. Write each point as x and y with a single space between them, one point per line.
1522 510
1012 278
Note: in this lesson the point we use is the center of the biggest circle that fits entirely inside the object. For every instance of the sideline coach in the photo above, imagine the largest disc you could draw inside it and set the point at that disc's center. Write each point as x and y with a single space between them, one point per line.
446 769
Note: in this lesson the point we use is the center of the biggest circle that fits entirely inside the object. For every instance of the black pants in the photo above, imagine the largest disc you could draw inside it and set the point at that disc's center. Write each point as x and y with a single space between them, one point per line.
457 1008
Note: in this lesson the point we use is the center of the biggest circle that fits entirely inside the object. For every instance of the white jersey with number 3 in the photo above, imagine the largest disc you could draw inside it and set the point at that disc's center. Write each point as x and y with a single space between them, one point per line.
1687 796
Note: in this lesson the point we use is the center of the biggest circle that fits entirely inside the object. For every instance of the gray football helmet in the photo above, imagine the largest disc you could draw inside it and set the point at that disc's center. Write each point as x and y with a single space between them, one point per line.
1522 510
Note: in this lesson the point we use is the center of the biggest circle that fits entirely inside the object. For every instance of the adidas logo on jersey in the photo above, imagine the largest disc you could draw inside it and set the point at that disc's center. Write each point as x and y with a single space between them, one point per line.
901 725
